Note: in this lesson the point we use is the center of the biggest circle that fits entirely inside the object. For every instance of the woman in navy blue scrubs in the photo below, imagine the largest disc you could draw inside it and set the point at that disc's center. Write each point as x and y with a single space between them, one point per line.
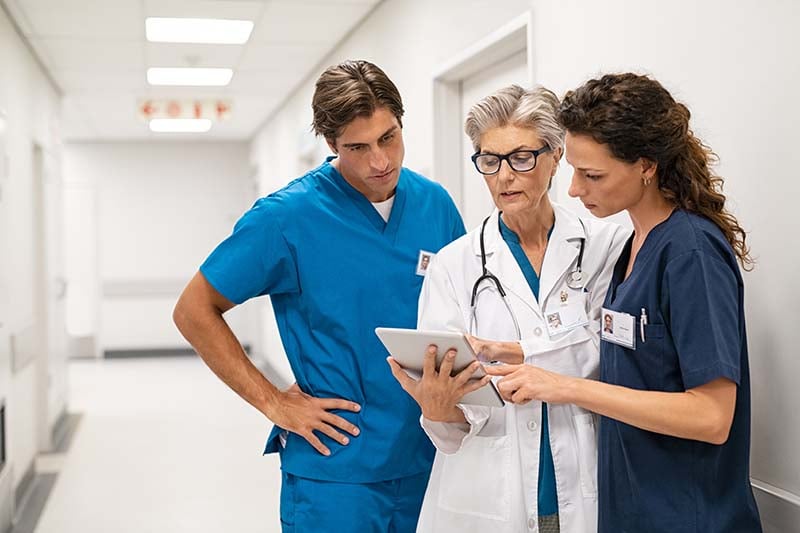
674 389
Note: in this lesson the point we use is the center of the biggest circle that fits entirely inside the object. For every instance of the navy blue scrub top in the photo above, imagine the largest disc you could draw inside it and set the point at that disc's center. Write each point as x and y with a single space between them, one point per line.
687 279
335 270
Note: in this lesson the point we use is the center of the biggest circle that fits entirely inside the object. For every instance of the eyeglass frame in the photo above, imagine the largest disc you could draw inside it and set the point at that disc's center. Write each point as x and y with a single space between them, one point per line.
536 154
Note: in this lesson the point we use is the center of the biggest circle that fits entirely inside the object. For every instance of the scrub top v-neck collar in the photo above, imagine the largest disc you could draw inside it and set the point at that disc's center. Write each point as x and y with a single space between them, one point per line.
388 229
619 281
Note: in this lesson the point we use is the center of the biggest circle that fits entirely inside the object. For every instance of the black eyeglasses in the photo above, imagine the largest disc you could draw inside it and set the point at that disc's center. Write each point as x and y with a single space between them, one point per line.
520 161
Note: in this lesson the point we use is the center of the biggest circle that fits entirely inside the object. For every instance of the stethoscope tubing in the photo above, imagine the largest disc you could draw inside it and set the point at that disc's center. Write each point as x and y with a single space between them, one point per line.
574 281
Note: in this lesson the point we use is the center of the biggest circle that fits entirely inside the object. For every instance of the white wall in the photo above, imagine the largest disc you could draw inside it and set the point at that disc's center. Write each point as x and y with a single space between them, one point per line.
31 104
159 210
735 66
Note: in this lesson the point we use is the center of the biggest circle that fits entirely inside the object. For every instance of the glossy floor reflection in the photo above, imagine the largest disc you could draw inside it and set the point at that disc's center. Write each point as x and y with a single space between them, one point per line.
163 446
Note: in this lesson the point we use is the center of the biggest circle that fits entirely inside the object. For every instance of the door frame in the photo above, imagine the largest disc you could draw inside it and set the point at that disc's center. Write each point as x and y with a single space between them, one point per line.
511 38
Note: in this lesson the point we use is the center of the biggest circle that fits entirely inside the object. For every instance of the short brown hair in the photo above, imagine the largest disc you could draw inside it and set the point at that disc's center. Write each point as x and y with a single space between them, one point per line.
350 90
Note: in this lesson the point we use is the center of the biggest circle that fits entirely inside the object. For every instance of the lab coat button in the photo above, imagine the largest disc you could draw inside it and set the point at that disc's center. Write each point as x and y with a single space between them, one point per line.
532 425
531 523
538 332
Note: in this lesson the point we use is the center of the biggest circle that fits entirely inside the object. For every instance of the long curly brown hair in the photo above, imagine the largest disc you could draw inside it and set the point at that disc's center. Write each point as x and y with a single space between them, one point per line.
638 118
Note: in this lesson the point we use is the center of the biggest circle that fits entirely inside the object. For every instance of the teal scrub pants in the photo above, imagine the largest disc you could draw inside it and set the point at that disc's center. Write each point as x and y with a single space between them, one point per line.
310 505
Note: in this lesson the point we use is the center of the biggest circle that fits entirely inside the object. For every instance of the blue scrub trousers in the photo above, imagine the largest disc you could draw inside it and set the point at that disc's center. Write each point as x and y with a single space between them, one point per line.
310 505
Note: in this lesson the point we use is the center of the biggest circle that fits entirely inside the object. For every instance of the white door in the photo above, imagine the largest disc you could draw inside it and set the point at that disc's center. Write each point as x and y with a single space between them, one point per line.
476 202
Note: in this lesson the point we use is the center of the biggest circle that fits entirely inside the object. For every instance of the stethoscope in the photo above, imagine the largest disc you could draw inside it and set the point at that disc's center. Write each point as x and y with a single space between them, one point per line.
574 281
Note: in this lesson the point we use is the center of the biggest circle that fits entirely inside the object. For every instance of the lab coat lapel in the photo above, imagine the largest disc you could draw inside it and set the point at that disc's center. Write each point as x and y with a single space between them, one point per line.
501 262
562 251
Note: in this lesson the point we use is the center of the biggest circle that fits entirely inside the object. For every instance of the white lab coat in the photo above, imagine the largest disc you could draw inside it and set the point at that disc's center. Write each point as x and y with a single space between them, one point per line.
485 475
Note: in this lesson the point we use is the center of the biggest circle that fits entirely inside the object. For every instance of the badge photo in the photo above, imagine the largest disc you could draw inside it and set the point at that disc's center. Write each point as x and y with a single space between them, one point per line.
423 260
566 314
618 328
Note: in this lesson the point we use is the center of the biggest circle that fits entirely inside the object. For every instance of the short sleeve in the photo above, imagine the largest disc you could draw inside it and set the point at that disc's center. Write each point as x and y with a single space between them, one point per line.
701 298
255 259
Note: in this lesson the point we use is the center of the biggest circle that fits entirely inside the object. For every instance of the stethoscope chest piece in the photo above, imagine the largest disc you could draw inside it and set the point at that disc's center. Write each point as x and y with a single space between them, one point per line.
575 280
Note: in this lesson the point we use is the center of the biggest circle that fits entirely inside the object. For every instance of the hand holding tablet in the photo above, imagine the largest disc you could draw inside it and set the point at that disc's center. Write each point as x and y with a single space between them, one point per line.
408 347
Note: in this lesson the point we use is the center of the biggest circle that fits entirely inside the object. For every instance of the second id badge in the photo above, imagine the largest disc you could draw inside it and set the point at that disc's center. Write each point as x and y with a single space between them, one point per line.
423 260
618 328
568 315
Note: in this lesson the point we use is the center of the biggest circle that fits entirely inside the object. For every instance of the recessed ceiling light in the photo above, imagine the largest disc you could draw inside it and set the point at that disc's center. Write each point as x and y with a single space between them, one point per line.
187 30
189 76
180 125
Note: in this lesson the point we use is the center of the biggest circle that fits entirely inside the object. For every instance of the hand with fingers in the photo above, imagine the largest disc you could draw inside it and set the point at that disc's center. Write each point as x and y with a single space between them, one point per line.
504 351
303 414
437 392
523 383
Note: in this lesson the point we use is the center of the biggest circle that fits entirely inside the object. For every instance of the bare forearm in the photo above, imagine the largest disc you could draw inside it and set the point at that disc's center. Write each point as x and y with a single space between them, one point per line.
213 339
689 415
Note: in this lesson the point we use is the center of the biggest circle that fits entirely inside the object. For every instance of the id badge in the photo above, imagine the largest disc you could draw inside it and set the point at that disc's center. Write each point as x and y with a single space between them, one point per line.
618 328
423 260
570 314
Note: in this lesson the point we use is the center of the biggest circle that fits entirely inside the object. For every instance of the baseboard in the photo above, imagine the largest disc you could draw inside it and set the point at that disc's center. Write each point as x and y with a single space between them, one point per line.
24 486
28 516
153 352
779 509
147 352
6 500
64 431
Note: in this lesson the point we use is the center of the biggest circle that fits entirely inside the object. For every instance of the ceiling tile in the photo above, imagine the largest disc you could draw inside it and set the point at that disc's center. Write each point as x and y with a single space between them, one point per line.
260 81
82 54
192 55
295 58
118 20
223 9
78 81
302 23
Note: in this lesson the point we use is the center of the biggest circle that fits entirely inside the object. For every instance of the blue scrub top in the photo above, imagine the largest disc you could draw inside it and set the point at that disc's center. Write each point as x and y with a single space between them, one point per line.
687 279
335 270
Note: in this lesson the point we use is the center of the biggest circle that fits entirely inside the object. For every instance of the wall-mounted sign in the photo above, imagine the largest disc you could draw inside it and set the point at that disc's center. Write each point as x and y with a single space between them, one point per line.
215 110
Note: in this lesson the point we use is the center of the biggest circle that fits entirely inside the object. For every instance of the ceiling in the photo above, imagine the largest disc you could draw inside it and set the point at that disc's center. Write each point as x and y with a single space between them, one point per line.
97 54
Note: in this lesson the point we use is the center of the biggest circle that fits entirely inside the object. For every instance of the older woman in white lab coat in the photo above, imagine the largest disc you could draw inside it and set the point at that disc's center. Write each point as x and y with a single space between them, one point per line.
493 471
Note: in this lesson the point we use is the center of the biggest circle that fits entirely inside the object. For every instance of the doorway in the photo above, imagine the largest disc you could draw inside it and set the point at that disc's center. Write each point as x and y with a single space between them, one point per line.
500 59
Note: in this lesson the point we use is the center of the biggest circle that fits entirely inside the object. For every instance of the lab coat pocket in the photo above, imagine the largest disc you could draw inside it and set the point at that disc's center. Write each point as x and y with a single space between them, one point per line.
586 436
476 480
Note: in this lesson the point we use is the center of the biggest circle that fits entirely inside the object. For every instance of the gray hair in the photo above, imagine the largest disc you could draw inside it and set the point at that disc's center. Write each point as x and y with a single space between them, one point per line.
533 108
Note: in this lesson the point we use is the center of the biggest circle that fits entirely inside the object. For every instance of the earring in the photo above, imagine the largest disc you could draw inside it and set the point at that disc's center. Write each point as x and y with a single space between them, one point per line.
646 181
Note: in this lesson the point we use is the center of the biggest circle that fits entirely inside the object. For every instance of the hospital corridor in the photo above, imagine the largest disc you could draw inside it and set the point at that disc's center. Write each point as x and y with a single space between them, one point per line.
207 207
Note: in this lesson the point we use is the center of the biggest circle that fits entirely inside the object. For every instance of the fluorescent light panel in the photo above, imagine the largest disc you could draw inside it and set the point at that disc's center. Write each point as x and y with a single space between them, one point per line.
180 125
189 76
188 30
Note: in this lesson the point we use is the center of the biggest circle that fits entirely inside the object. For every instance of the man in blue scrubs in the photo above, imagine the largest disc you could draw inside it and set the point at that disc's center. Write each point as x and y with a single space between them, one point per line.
339 251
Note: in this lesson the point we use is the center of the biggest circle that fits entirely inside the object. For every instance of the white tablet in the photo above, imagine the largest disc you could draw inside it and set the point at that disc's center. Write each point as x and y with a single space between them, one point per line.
408 347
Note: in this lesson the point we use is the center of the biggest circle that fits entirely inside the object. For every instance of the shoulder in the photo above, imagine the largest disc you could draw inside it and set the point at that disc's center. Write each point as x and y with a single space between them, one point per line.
419 184
687 232
299 194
